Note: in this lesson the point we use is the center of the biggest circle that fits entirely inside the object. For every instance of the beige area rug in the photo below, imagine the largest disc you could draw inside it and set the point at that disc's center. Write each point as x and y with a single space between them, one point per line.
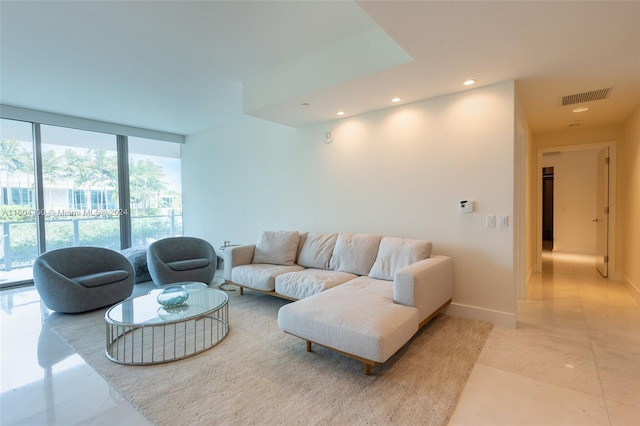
260 375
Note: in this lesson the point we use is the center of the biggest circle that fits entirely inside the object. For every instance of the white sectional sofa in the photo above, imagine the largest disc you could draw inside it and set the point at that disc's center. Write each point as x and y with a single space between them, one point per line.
362 295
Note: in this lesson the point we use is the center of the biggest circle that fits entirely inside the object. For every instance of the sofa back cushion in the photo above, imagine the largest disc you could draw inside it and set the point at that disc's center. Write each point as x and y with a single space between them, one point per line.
355 253
396 253
316 250
277 247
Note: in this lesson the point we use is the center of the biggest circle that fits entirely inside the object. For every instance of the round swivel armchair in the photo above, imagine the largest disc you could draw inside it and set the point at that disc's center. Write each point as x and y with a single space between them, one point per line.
179 259
80 279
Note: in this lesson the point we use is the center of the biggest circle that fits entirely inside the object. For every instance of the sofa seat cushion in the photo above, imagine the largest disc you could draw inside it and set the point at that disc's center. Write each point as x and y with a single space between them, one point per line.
397 253
308 282
355 253
260 276
101 278
186 265
357 317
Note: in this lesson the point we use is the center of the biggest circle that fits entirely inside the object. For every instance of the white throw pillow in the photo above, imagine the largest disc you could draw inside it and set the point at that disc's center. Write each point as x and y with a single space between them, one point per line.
316 250
396 253
277 247
355 253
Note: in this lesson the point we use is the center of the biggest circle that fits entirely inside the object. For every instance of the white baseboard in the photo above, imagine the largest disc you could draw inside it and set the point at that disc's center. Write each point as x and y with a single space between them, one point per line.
502 319
632 288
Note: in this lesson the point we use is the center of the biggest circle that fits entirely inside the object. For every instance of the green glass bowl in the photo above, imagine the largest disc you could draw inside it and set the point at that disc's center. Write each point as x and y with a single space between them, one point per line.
173 296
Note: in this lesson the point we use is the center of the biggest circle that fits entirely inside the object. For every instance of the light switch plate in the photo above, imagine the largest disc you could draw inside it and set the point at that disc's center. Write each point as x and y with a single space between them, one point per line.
503 221
490 221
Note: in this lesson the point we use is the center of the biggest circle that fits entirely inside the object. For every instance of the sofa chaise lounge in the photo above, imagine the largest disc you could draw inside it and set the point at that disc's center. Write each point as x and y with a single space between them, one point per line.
361 295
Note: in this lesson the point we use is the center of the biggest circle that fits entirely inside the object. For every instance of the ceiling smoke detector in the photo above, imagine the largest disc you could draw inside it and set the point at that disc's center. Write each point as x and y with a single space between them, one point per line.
578 98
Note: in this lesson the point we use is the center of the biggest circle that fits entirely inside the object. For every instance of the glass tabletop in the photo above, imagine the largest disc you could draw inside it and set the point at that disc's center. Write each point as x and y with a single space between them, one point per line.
145 310
190 286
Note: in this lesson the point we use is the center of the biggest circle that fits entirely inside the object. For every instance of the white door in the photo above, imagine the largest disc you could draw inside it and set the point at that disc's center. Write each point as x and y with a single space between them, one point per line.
602 214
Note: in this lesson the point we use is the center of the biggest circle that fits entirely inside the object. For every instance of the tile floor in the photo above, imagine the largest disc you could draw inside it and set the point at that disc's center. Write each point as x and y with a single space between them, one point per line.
42 380
573 360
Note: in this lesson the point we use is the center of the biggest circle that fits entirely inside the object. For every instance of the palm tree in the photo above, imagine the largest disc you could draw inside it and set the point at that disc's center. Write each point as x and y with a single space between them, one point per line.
147 182
105 172
75 169
52 170
11 154
26 167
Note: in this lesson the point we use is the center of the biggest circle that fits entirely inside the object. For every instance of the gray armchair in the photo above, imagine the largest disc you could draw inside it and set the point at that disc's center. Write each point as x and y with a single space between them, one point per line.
80 279
180 259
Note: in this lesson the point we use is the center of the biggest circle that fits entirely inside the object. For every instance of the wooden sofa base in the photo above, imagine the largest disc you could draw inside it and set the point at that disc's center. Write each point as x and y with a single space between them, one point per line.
270 293
369 364
433 315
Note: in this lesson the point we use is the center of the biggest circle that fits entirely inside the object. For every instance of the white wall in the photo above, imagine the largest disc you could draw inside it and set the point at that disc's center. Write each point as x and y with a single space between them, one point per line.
524 195
575 200
629 189
398 172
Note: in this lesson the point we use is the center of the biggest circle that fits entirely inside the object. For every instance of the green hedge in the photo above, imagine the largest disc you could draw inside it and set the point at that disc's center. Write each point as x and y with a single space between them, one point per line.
92 232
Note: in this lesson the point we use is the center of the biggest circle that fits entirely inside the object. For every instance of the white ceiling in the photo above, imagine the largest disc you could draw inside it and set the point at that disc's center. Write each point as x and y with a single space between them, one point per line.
184 66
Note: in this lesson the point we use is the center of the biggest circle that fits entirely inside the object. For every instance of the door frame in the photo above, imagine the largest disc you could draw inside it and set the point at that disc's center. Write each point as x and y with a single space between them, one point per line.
613 271
602 208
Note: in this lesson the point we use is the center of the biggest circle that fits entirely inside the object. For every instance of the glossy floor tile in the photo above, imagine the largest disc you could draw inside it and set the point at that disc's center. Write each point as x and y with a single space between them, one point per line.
574 358
497 397
42 380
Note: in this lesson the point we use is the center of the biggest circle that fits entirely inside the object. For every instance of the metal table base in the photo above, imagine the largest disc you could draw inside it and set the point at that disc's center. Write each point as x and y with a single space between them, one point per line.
168 340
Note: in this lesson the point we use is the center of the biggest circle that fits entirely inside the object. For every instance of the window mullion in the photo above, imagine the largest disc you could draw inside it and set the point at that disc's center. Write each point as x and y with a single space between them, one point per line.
39 188
123 192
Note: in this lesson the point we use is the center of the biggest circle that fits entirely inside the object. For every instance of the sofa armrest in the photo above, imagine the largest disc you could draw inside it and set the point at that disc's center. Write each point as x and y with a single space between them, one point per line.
236 256
426 285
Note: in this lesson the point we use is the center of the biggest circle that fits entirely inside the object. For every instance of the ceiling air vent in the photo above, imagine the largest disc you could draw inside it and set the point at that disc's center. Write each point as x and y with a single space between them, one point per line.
579 98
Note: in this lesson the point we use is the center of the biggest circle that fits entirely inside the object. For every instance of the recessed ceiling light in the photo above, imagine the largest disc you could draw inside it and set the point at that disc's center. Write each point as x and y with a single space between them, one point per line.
581 109
340 113
396 100
469 82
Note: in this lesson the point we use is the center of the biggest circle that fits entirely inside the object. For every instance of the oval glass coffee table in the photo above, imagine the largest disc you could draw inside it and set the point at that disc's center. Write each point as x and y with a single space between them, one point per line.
140 331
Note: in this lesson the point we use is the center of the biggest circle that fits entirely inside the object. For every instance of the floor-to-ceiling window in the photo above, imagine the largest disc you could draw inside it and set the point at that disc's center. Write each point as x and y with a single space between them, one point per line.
62 187
155 190
18 232
80 181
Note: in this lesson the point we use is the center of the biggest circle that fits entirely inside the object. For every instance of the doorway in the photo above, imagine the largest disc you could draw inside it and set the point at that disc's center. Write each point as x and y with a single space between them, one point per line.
563 232
547 208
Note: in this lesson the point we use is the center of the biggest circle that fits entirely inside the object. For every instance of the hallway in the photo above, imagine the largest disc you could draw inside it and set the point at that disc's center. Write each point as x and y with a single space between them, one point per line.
574 358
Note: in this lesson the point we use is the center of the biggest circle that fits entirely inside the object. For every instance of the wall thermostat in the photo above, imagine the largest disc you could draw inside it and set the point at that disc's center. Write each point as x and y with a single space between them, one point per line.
466 206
